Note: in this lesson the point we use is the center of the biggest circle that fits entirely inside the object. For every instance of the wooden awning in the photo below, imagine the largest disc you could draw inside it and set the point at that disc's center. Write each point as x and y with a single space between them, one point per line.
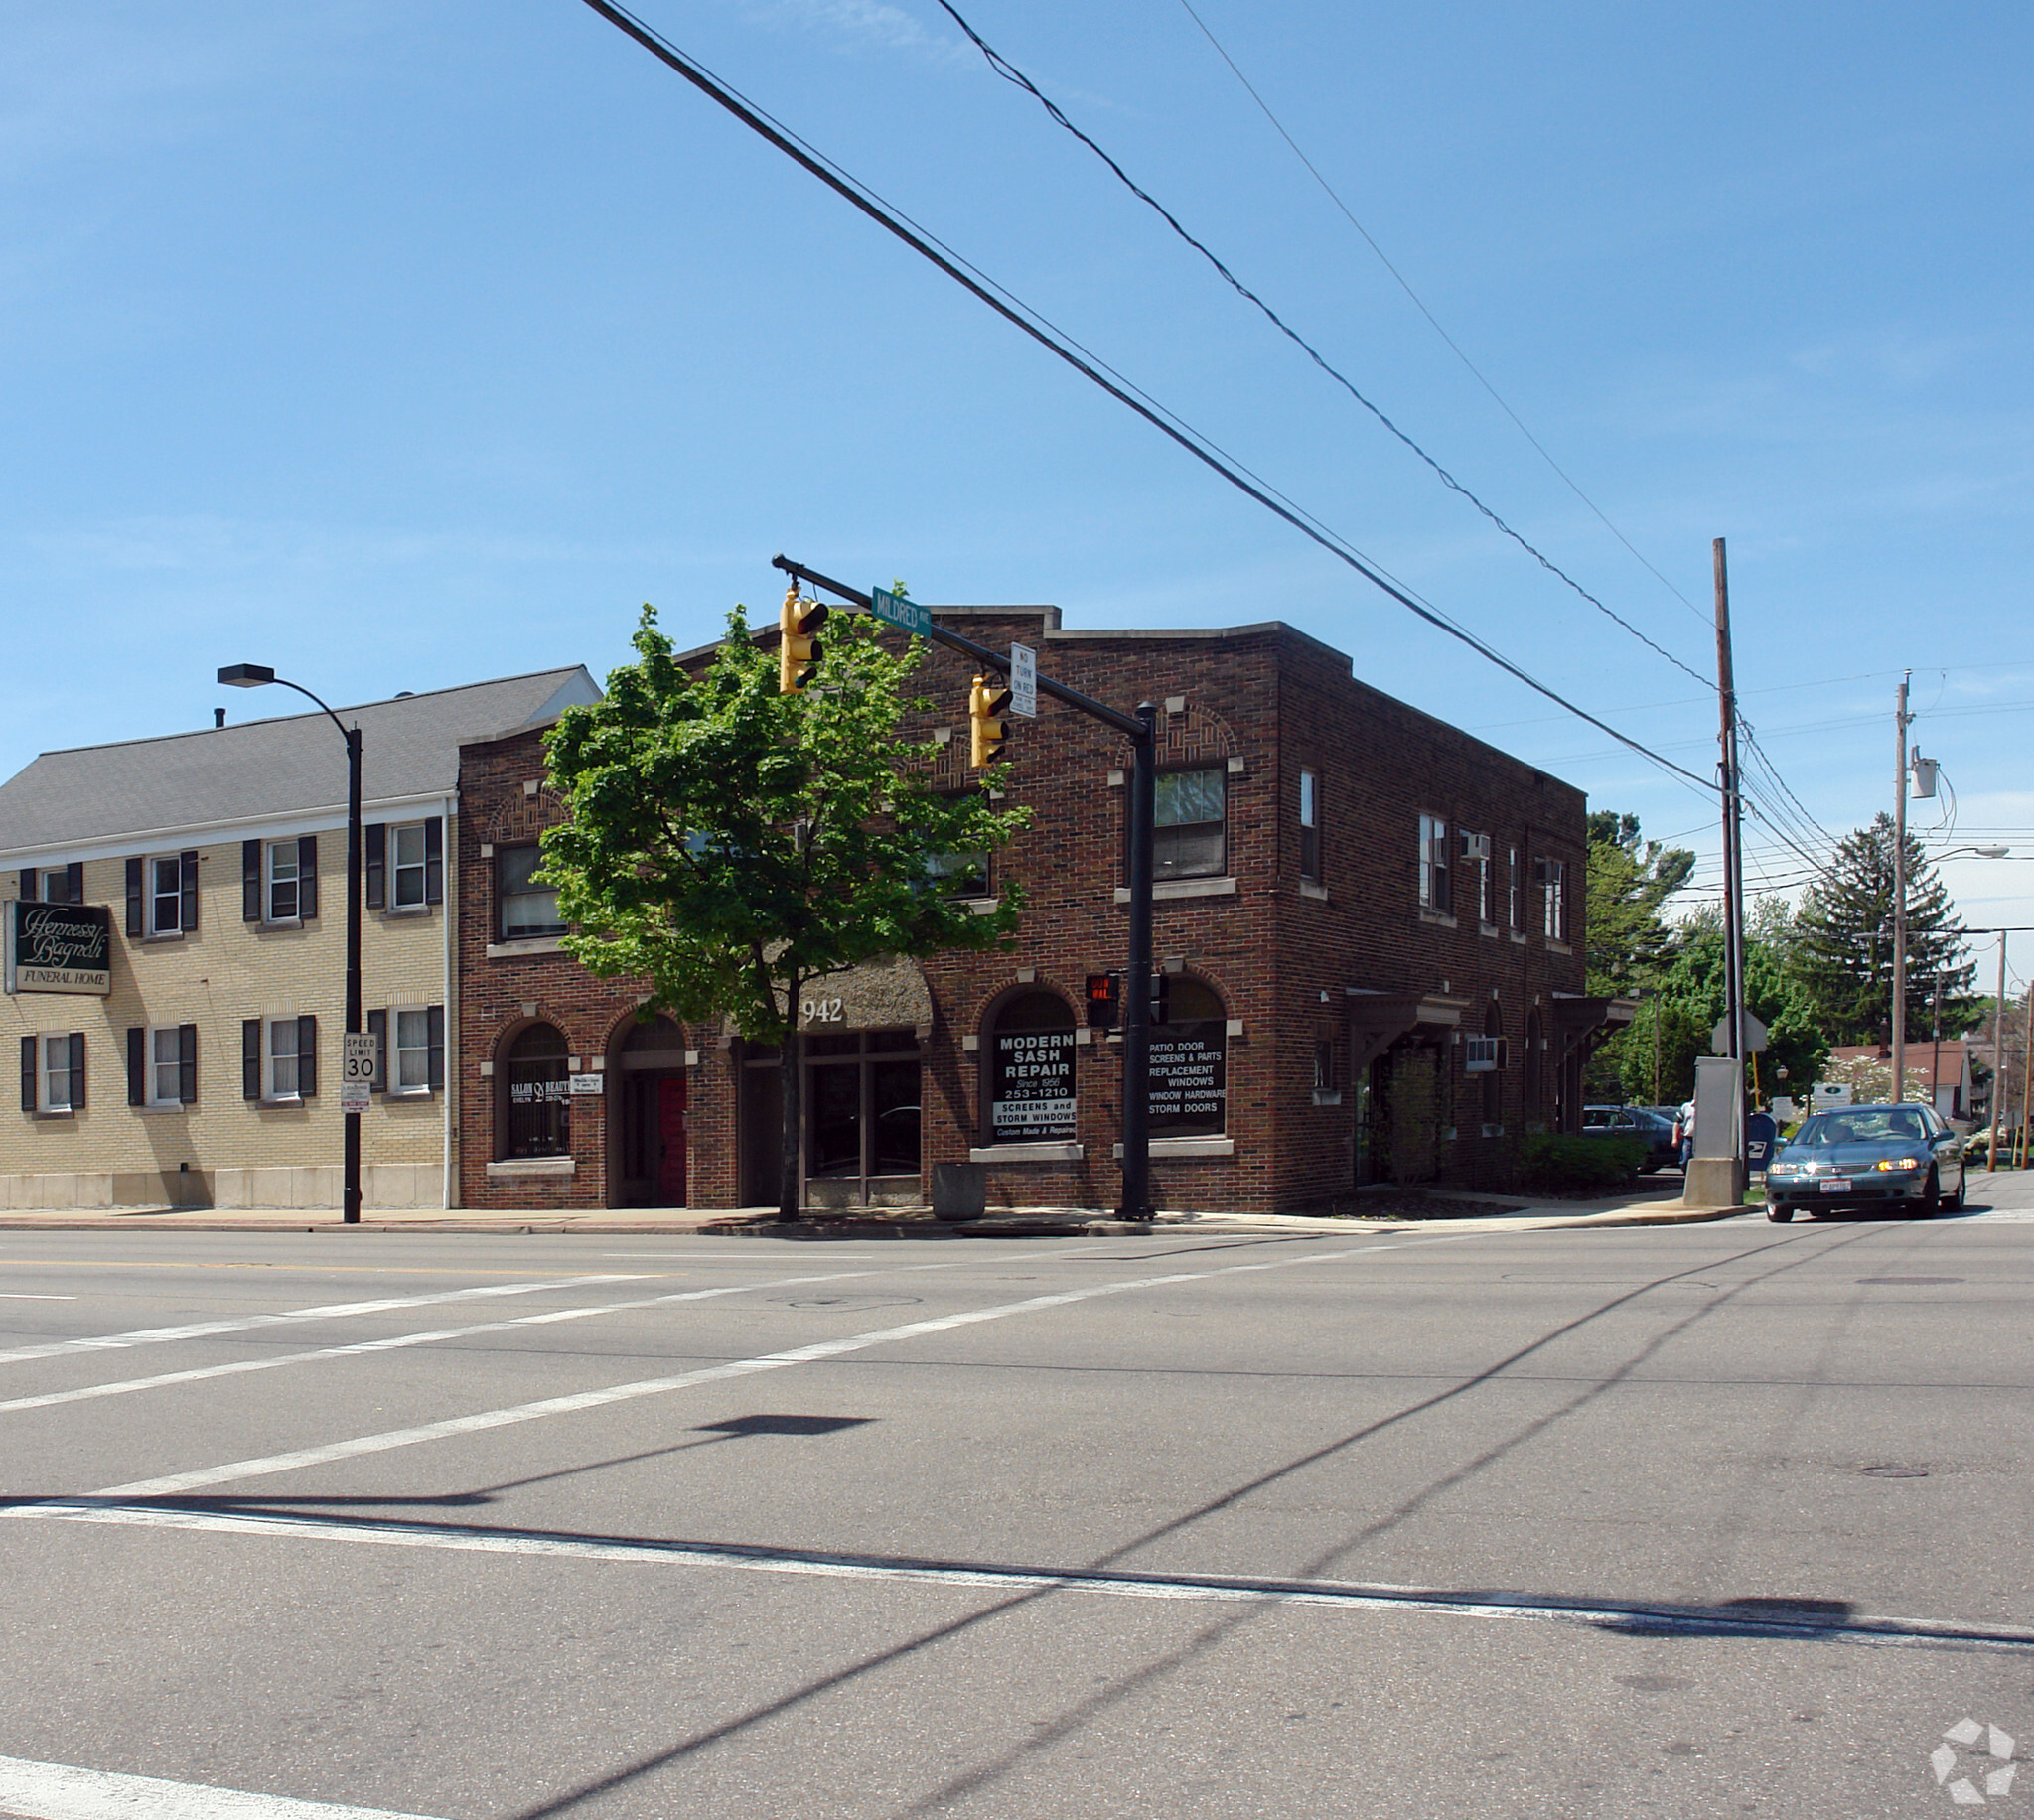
1376 1020
1579 1024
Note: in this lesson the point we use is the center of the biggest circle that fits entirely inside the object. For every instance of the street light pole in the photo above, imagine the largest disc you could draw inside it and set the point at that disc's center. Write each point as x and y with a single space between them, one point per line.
253 677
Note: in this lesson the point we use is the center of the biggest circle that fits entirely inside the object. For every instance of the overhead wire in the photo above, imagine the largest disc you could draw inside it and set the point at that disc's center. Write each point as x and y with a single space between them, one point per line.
1049 336
1016 77
1419 304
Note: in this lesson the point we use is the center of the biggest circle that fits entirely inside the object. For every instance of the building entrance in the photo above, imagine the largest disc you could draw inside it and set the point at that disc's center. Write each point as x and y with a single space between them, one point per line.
647 1092
860 1145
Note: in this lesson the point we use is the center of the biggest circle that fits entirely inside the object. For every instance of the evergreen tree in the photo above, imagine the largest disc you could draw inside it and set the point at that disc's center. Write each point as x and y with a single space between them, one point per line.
1844 935
1630 878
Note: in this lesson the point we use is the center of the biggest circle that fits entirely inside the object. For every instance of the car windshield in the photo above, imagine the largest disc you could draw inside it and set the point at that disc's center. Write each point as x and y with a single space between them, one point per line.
1868 1125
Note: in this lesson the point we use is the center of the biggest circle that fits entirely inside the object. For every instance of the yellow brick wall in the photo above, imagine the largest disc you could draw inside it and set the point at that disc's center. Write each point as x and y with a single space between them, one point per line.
225 971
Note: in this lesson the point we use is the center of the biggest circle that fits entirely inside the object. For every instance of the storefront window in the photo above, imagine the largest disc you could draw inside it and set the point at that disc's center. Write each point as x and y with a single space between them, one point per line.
1189 1097
538 1093
1031 1070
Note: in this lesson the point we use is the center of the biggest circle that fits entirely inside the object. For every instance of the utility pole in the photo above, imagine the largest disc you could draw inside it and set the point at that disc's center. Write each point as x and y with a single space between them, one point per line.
1902 719
2026 1079
1733 843
1998 1062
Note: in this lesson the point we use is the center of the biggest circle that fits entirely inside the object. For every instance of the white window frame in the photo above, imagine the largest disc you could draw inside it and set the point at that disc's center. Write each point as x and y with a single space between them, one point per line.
1434 892
152 1080
156 897
392 1064
1172 868
51 1043
1512 892
398 866
503 898
1310 824
1555 899
271 1057
270 850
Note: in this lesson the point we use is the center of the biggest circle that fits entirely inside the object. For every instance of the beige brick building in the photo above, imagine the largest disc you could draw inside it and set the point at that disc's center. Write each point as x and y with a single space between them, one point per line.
205 1073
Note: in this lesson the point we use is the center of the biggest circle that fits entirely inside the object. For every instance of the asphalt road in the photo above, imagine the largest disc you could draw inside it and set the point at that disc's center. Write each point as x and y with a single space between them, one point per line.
1698 1519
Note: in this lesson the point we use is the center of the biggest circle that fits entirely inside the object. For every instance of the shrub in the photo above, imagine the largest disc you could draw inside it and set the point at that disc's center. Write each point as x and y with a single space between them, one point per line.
1560 1163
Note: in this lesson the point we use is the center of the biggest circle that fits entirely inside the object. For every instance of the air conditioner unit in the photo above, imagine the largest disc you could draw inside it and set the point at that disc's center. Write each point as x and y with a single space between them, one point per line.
1475 846
1482 1055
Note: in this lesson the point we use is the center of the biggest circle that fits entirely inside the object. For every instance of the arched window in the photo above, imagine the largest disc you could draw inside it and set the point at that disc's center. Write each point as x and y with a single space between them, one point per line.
1031 1070
1534 1107
536 1095
1189 1065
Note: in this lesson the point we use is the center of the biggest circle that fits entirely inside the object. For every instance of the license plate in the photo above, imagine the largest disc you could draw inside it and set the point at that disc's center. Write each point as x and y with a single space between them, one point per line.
1836 1185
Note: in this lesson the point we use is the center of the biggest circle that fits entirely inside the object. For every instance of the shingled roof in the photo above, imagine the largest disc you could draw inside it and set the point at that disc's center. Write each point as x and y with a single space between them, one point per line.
253 771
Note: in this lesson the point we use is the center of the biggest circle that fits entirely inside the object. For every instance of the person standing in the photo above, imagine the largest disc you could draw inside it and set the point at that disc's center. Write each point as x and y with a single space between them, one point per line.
1685 1133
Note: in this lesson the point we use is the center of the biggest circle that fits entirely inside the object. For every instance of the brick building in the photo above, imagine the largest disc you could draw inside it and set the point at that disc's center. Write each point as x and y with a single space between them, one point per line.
196 1060
1367 925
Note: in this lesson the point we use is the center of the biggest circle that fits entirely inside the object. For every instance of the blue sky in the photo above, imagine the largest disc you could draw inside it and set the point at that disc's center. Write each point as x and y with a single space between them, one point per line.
397 346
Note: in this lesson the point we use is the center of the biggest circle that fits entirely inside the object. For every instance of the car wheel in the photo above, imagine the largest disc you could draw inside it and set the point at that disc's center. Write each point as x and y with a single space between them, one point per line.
1932 1197
1778 1212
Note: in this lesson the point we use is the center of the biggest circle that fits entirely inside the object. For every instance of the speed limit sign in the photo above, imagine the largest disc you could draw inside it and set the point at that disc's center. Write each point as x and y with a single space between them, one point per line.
356 1071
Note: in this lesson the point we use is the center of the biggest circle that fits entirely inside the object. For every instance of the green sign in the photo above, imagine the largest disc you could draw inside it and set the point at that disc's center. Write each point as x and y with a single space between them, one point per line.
59 948
897 611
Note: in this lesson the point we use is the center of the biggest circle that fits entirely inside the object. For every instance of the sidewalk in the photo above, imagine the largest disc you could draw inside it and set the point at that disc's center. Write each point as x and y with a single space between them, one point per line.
762 1223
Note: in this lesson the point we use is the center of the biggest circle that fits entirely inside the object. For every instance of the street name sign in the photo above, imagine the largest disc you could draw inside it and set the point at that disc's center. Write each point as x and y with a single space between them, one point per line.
1024 682
356 1069
900 612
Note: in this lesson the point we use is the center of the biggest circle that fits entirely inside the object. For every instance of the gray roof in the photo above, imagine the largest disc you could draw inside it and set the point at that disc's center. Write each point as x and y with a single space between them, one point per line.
271 769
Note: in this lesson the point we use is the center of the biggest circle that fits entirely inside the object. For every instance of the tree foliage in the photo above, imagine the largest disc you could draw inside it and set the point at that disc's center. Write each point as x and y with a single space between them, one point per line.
1630 880
729 844
1843 953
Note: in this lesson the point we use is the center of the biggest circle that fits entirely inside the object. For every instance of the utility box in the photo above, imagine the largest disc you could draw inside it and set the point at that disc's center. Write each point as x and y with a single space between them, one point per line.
1716 1175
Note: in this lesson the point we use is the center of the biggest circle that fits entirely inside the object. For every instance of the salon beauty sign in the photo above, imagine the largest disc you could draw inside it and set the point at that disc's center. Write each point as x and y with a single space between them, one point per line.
59 948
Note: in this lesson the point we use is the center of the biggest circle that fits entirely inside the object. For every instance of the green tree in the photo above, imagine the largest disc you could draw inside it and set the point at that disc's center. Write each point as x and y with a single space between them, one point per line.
1694 994
1630 878
1843 937
730 844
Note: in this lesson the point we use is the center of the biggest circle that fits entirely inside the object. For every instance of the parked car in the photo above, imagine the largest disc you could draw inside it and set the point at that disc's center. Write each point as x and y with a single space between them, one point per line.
1642 1123
1875 1157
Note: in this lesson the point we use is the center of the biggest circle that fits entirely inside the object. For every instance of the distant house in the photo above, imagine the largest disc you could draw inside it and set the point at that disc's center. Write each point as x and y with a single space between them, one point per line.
1944 1073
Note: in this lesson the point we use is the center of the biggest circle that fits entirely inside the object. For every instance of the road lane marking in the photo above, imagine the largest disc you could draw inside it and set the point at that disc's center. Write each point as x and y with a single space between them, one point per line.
56 1791
173 1485
13 1295
334 1311
1340 1595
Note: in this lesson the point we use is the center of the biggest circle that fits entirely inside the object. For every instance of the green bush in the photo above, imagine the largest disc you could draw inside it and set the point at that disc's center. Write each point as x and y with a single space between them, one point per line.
1558 1165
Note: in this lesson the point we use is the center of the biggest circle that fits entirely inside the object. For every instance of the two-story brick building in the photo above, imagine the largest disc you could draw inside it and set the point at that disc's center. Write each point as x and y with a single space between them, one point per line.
203 875
1369 931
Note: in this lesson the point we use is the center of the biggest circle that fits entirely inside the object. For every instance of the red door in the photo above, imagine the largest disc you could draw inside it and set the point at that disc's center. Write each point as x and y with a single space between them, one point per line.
671 1127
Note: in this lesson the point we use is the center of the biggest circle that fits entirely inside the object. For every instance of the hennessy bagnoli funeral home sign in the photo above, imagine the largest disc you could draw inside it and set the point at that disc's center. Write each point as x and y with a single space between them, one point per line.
59 948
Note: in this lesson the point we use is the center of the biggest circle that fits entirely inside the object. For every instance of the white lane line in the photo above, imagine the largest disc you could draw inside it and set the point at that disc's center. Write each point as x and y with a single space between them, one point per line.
1335 1595
10 1295
399 1341
175 1483
56 1791
333 1311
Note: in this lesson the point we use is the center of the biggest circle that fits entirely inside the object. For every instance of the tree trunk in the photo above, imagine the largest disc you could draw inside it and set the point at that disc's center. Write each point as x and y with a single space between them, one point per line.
787 1095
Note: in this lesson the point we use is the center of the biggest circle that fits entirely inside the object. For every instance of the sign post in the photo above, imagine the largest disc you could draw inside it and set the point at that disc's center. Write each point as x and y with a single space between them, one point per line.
356 1071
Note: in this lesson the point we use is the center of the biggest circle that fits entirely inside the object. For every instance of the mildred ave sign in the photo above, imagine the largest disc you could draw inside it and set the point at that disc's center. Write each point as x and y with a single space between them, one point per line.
59 948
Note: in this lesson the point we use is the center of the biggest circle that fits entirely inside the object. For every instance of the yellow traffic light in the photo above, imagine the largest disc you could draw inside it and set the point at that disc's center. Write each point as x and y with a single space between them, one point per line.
797 642
987 701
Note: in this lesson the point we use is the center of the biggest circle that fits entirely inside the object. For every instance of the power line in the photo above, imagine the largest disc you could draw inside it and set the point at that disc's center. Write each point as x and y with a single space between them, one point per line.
1419 304
1014 75
1050 337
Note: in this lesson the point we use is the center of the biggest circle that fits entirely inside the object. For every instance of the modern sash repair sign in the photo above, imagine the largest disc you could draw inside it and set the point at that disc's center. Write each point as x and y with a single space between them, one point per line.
59 948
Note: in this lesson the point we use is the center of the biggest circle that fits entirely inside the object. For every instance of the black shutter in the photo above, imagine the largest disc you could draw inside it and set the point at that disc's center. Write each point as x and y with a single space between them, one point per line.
187 891
437 1022
26 892
137 1065
77 1070
307 1057
74 882
377 1027
134 896
377 863
28 1073
251 881
434 859
250 1058
307 877
187 1063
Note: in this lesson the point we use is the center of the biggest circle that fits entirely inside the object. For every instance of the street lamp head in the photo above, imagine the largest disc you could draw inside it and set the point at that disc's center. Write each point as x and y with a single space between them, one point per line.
246 675
1990 852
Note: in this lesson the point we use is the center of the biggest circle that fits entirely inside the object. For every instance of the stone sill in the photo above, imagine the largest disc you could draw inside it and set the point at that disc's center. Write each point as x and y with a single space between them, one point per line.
1557 947
1027 1153
1308 889
1519 936
531 944
1188 1147
1488 929
394 910
1163 889
513 1167
156 1108
1439 918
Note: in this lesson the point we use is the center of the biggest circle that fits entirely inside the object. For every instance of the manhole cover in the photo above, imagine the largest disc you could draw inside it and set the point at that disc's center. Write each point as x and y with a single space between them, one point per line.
847 1304
1896 1472
1909 1282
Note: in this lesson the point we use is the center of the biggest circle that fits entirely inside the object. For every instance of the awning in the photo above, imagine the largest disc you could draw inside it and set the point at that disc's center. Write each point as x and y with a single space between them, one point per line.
1376 1020
1580 1026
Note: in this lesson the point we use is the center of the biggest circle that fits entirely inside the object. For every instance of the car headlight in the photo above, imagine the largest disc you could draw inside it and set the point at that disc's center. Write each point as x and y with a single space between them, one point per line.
1889 1164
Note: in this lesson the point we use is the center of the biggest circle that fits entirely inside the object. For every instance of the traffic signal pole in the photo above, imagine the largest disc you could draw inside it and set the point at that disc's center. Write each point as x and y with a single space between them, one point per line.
1142 730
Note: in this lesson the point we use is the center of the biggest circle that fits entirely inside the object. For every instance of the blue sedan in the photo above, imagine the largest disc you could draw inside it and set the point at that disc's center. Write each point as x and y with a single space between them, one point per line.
1891 1159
